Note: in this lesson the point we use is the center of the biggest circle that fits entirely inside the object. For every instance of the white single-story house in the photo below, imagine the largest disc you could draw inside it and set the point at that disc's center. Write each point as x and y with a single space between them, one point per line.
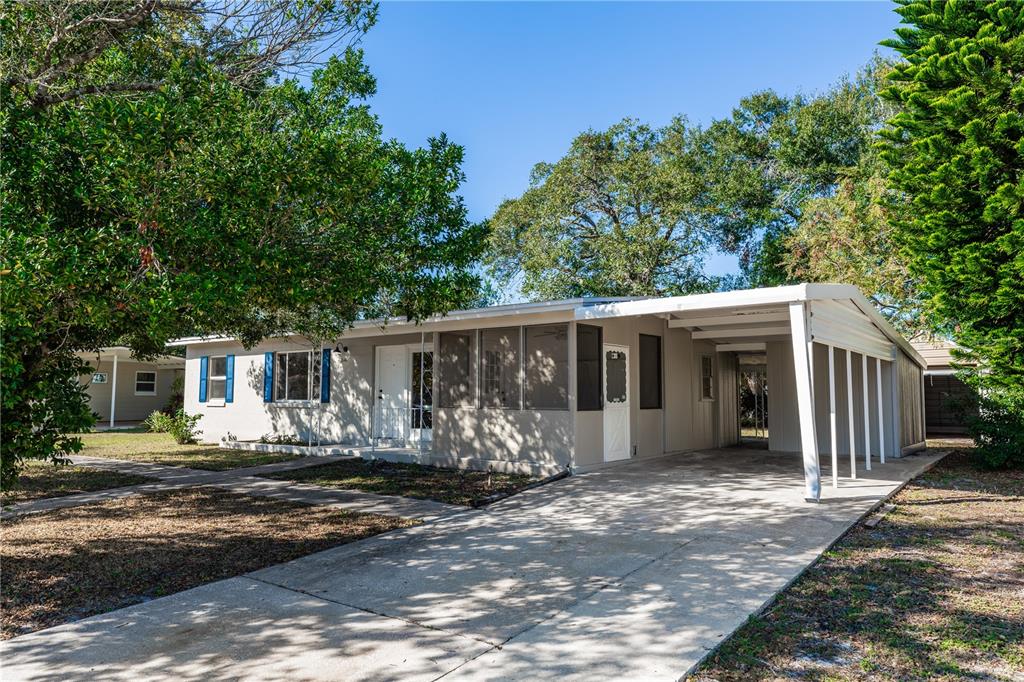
542 387
944 391
125 390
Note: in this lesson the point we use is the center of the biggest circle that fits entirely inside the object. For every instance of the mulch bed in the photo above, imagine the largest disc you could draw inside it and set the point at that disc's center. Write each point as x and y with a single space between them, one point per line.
67 564
453 486
935 591
40 480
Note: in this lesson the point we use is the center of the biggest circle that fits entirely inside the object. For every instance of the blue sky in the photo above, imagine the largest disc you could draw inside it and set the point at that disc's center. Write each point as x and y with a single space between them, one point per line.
515 82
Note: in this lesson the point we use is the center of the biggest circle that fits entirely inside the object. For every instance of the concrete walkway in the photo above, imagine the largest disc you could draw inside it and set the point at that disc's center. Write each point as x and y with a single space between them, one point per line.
635 572
244 480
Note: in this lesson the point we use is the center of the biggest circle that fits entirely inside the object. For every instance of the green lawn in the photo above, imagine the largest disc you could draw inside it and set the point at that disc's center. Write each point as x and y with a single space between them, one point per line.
933 592
40 480
454 486
160 448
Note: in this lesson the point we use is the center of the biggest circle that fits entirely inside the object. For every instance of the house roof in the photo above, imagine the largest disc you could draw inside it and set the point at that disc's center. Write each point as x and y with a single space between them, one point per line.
737 320
124 354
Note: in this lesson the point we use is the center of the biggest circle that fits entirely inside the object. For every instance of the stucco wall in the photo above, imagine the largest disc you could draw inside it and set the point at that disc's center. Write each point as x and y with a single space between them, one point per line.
129 407
538 440
345 419
685 422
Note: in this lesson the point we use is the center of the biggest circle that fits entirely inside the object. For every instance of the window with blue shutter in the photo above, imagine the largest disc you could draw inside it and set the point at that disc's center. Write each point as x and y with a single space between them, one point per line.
325 375
204 371
268 377
229 380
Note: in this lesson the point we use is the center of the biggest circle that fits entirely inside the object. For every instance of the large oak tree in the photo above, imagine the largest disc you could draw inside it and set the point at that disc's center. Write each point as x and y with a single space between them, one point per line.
159 179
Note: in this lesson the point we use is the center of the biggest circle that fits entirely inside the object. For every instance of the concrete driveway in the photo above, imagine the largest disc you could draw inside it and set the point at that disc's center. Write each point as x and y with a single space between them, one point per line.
634 572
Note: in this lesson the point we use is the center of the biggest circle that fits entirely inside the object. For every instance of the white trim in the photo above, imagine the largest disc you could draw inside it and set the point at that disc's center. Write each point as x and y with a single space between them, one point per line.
832 417
718 320
741 347
740 332
805 400
136 384
867 412
849 414
113 393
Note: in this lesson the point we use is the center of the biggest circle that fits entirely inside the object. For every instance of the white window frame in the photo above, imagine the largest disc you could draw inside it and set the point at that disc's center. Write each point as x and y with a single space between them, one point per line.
216 402
700 380
145 371
102 380
312 381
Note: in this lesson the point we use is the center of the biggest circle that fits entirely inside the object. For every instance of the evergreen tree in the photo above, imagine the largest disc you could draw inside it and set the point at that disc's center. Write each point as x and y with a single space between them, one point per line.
956 149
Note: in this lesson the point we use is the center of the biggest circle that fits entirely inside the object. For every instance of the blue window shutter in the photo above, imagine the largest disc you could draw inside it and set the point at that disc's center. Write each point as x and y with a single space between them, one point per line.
268 377
325 375
229 379
204 372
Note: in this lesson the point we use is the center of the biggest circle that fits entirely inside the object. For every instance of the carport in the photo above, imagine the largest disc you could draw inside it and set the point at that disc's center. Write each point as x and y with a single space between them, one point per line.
844 382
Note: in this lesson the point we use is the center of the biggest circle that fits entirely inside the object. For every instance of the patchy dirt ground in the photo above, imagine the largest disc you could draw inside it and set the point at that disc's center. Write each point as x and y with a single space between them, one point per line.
71 563
160 448
40 480
935 591
454 486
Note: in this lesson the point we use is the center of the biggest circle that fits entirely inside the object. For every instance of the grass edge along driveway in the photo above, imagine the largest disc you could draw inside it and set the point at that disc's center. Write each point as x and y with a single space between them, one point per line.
933 592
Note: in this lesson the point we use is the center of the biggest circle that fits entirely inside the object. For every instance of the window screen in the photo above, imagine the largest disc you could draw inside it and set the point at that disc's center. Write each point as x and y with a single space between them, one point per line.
456 387
547 367
707 378
218 377
145 383
499 368
588 367
650 372
297 375
617 367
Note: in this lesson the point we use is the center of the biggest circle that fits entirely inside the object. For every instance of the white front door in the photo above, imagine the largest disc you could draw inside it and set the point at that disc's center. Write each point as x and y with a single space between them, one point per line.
616 403
392 393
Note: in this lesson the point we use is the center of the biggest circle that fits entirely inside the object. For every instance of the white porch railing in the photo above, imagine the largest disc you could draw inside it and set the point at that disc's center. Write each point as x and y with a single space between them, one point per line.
405 427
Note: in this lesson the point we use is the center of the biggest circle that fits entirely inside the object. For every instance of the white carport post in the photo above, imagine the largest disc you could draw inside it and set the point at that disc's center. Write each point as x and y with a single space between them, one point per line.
867 414
113 390
805 399
849 414
881 419
832 414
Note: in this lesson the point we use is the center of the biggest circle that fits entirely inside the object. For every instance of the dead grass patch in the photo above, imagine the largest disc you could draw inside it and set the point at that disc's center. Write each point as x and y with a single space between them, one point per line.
933 592
71 563
453 486
40 480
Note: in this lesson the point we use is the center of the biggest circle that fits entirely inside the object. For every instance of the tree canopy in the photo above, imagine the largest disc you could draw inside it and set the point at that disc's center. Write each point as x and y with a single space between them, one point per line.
219 201
615 216
956 149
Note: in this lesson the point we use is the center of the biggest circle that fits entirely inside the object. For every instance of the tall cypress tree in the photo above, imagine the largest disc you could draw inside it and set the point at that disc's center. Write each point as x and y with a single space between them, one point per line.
957 149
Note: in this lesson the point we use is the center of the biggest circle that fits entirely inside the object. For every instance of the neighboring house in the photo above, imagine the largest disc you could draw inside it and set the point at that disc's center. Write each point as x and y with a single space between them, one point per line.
945 395
543 386
124 390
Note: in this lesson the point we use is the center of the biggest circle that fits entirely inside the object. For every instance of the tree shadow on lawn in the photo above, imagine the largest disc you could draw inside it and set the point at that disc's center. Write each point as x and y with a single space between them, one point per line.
382 477
71 563
930 593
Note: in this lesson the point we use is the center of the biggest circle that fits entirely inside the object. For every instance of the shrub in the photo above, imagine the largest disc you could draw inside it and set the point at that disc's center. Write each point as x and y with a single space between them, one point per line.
282 439
176 401
158 422
998 429
182 427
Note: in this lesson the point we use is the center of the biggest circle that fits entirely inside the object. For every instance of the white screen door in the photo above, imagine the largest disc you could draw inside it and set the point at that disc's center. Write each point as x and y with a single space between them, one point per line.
616 403
392 399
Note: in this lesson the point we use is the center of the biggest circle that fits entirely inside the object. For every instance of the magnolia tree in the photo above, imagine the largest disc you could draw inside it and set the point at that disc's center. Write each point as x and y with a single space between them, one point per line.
159 178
